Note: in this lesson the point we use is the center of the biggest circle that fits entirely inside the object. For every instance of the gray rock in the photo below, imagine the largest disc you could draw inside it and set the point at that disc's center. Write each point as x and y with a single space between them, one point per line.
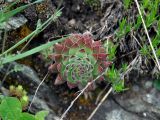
142 104
14 23
27 77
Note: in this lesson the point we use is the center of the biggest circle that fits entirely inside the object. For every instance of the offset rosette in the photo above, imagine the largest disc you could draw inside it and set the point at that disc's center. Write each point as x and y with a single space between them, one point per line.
79 60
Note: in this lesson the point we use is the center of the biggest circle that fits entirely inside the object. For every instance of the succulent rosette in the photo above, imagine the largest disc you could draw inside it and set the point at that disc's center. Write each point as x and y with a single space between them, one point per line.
79 60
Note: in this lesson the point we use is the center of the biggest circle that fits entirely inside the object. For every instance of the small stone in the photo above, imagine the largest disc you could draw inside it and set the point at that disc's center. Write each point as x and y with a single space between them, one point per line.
148 84
15 22
72 22
144 114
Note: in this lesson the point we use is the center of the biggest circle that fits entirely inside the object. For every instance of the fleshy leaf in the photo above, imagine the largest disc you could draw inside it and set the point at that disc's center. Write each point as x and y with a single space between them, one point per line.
53 67
79 60
68 42
59 80
101 56
57 57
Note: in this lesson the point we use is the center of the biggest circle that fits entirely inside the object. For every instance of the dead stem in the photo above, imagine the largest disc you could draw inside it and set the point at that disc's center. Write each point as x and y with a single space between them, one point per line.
37 90
103 99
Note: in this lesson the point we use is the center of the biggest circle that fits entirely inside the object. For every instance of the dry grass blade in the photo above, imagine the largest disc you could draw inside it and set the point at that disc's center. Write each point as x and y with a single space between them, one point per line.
103 99
37 90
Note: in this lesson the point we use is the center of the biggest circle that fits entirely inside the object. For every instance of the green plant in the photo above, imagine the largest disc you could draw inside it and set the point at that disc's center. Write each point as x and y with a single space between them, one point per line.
6 13
113 75
11 109
116 77
78 60
111 49
144 50
150 14
6 58
124 28
127 3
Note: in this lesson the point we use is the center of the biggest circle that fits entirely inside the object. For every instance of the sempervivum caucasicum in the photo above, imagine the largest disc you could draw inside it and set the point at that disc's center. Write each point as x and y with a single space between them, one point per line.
79 60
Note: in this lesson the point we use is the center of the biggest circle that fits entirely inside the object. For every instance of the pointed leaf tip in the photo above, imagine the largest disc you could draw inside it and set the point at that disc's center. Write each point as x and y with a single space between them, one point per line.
59 80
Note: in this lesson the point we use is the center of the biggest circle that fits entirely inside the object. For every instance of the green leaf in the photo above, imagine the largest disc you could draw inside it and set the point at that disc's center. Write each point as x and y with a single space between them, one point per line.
41 115
92 59
145 3
95 70
35 32
27 116
73 51
138 22
10 109
81 55
127 3
88 50
13 12
30 52
70 79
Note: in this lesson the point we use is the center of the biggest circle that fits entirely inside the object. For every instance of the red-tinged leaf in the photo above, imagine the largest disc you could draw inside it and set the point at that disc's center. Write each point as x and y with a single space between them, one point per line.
97 43
99 49
101 78
85 41
100 56
81 42
68 42
102 50
59 67
96 49
76 37
59 80
53 68
57 58
58 48
51 56
100 69
71 85
88 43
75 45
106 64
88 38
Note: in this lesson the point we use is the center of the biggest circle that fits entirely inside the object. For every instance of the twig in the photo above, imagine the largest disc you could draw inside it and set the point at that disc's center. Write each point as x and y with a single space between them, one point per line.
103 99
82 91
146 31
37 90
